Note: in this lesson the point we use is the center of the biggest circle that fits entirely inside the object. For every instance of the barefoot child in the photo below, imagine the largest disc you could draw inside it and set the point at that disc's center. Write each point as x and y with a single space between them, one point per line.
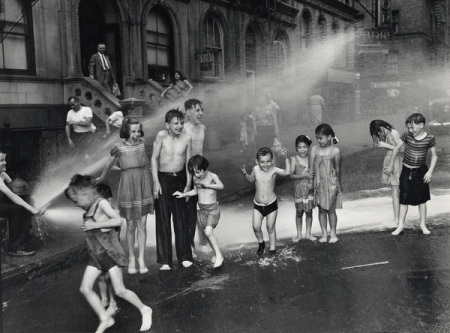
303 187
326 161
135 188
104 281
265 202
171 152
415 175
206 185
106 254
385 136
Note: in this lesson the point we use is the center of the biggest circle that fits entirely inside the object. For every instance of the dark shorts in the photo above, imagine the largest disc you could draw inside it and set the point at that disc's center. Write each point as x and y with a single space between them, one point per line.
413 190
266 209
105 262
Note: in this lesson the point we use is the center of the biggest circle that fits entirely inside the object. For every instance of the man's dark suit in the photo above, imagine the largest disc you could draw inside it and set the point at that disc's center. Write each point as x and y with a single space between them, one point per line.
105 77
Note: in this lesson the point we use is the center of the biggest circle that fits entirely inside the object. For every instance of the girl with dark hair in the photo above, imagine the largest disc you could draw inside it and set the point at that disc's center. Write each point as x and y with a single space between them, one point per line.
179 84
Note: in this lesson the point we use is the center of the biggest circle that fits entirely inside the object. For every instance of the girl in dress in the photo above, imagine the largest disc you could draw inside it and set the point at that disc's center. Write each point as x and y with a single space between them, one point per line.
179 84
303 187
385 136
326 161
135 188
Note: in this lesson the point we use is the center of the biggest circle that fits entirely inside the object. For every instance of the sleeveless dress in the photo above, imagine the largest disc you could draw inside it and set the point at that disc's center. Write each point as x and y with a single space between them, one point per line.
303 189
394 177
327 191
135 186
104 247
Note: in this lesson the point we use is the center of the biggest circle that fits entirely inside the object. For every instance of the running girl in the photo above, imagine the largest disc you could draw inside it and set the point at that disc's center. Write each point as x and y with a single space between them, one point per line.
303 187
326 161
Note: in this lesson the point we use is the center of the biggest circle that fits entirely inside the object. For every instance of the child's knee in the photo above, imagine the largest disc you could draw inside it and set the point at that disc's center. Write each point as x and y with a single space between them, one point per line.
208 231
131 226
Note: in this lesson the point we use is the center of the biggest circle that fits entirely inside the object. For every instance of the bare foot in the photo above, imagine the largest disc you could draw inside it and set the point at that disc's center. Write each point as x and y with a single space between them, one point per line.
146 319
219 261
142 268
296 239
333 239
323 239
311 238
105 324
112 309
397 231
186 263
105 302
194 255
213 259
165 268
131 266
424 229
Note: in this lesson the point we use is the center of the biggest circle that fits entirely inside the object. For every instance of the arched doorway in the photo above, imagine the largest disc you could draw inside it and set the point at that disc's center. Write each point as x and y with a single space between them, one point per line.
99 23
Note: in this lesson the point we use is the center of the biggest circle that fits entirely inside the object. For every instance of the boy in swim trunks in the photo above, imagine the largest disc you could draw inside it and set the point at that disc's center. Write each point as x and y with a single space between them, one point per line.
206 185
265 202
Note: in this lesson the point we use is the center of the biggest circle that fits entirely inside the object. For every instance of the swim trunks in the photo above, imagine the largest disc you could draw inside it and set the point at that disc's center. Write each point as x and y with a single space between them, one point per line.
266 209
208 215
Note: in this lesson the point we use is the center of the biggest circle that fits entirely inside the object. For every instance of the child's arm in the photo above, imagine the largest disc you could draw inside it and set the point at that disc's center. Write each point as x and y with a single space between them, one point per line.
108 129
188 174
287 170
113 221
154 161
434 158
191 193
190 87
165 90
275 124
16 199
215 185
107 168
296 176
250 178
338 159
395 152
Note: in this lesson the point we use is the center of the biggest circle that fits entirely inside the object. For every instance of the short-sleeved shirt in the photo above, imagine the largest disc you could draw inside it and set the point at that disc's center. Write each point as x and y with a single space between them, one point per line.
416 150
82 114
116 119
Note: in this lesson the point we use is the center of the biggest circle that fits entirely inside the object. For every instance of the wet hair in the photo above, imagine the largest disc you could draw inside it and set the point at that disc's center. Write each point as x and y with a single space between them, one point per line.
190 103
375 127
174 113
199 162
80 182
104 191
326 129
125 128
415 118
182 78
303 139
75 98
263 152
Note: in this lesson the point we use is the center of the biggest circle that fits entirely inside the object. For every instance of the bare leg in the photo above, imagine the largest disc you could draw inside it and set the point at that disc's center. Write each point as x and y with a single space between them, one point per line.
215 246
103 288
271 219
401 221
131 297
298 223
142 239
131 238
423 216
308 223
323 225
90 275
332 218
257 222
395 192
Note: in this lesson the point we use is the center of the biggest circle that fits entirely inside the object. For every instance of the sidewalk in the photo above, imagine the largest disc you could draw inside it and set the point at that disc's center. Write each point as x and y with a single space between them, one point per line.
67 245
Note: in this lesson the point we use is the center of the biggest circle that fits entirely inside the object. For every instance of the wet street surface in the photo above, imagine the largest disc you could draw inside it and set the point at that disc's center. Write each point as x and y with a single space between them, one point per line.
365 283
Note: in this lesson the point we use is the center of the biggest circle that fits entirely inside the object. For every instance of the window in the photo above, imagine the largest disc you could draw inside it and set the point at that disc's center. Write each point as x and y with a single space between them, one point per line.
396 21
16 48
159 43
280 45
213 44
306 28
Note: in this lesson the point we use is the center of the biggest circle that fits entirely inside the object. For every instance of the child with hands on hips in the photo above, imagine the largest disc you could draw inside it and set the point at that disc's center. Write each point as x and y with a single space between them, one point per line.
303 187
206 185
265 202
326 161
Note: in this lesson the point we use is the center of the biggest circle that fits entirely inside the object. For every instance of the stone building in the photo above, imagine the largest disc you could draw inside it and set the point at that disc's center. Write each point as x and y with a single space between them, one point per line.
230 50
402 54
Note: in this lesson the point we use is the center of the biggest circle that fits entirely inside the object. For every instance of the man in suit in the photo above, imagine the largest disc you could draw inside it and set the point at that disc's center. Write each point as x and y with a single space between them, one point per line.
100 68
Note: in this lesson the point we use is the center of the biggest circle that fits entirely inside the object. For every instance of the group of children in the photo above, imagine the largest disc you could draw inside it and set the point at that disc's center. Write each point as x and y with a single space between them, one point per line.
176 176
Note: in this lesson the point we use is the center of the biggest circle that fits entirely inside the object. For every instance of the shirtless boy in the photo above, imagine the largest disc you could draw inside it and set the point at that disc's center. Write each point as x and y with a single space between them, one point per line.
265 202
196 130
171 153
206 185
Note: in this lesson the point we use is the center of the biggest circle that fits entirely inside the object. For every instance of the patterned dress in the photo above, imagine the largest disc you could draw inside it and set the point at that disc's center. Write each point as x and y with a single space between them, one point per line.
327 192
135 187
394 177
303 188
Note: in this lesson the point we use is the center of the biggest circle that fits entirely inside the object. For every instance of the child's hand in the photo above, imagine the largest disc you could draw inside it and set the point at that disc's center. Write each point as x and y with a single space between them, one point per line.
88 225
178 194
284 152
309 175
244 172
388 170
199 185
156 190
428 176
